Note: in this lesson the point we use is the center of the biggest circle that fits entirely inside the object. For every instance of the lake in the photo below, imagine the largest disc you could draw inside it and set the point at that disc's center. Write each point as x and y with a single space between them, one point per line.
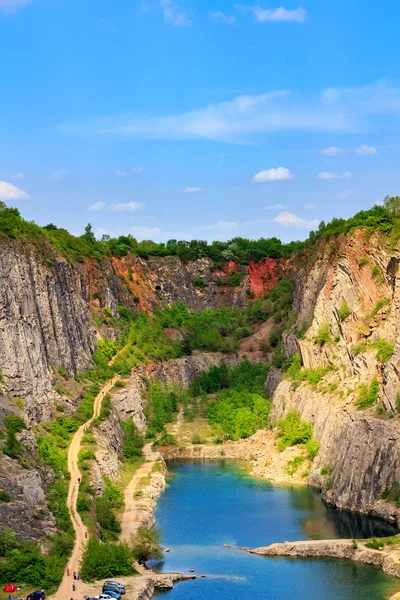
209 504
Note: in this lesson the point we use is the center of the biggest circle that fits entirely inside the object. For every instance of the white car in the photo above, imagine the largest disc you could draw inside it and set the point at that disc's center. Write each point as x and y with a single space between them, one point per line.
104 597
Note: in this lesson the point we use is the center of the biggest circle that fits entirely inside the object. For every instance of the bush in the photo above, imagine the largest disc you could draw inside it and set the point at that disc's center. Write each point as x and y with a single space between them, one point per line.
385 350
106 560
293 465
293 431
328 470
378 305
145 544
375 544
344 310
363 261
312 447
105 517
198 282
13 447
323 335
4 497
368 395
133 440
377 274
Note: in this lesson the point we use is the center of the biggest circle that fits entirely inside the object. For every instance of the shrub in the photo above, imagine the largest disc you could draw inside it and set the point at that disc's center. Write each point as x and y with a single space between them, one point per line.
196 439
4 497
312 447
363 261
105 516
328 470
384 350
106 560
133 441
293 431
293 465
377 274
13 447
323 335
375 544
145 544
368 395
378 305
198 282
165 439
344 310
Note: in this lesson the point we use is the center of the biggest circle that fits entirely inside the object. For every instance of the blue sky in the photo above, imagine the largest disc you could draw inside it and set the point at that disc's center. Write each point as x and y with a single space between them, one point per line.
198 118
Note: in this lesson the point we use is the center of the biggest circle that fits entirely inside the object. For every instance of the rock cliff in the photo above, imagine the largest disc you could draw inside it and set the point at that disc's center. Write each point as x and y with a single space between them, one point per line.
347 302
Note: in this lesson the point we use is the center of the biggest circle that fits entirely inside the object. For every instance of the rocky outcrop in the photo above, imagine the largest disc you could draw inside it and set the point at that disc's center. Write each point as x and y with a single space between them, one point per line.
388 560
347 300
25 510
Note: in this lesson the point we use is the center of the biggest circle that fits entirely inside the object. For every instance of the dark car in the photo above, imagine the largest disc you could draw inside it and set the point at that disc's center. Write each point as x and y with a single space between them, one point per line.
36 596
114 586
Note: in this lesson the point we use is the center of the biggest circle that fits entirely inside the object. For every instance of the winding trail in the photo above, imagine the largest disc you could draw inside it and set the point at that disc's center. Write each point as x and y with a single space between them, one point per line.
65 590
135 506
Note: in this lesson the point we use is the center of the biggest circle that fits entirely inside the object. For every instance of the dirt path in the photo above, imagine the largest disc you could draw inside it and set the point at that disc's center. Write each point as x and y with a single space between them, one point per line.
65 590
136 506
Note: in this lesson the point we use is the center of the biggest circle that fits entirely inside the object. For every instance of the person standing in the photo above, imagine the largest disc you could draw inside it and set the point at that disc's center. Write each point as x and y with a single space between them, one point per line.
73 586
75 575
67 571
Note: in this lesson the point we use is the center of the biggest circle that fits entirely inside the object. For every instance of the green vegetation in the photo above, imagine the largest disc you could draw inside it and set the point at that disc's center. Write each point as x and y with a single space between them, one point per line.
162 403
384 350
198 282
312 447
363 262
323 335
293 431
375 544
344 311
232 398
297 374
377 274
293 465
23 561
4 496
240 250
133 440
13 447
378 305
367 395
146 544
328 470
106 560
392 494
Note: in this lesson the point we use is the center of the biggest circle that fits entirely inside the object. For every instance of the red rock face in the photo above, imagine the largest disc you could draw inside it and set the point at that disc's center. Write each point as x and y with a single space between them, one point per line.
264 275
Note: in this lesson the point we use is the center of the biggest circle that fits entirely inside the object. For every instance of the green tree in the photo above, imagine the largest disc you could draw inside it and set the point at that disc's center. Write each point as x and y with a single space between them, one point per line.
89 235
392 205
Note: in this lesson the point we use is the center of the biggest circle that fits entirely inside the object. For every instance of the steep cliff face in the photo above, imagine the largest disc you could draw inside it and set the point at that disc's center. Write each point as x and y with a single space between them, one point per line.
47 309
349 300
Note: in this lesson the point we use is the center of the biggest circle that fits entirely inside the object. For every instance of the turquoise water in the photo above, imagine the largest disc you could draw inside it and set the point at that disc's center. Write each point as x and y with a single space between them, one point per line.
209 504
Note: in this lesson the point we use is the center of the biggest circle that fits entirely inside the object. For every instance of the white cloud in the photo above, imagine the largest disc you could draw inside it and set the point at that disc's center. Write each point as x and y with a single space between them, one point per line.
279 174
97 206
366 150
18 176
275 207
345 194
246 119
59 174
264 15
174 15
331 151
121 173
137 170
125 206
146 232
218 226
289 219
326 175
193 190
8 191
310 206
10 4
221 17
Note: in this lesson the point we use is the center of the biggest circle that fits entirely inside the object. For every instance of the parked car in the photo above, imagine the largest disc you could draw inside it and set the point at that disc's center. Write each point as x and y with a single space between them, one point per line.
107 596
111 584
36 595
113 593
